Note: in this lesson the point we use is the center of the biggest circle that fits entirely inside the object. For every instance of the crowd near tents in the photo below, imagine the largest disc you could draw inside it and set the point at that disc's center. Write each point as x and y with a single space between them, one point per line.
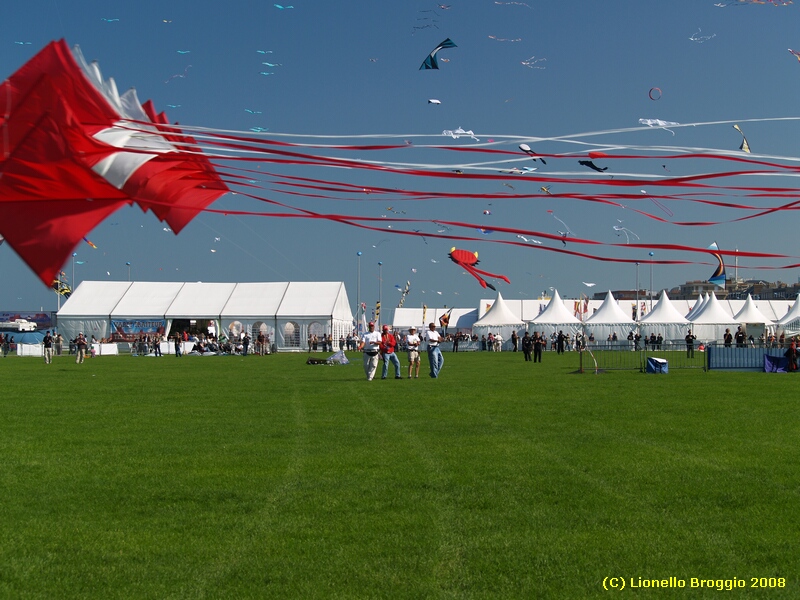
289 313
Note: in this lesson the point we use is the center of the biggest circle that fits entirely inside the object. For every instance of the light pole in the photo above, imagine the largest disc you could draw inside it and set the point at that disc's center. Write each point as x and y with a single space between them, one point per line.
358 294
380 290
637 293
651 281
129 270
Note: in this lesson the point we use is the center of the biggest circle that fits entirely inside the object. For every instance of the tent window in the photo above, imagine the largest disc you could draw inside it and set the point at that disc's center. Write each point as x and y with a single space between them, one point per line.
235 328
291 334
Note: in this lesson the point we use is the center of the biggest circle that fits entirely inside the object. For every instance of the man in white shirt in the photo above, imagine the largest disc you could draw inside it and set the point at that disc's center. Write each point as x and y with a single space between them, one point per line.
413 341
435 357
370 346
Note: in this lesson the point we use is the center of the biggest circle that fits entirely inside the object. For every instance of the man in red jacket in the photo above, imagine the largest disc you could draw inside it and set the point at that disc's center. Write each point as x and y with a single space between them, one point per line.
388 347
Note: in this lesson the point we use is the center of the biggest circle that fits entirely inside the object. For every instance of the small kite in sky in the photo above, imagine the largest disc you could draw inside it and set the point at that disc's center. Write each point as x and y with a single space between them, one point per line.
457 133
434 101
487 212
744 147
588 284
527 150
545 189
182 76
794 53
531 62
696 37
183 51
591 165
497 39
281 7
514 3
659 123
467 260
564 234
626 231
430 62
654 93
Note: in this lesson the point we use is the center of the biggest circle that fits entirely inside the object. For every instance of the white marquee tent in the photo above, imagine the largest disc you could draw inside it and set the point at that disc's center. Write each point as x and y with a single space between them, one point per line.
710 322
287 311
664 319
555 316
753 321
499 319
608 320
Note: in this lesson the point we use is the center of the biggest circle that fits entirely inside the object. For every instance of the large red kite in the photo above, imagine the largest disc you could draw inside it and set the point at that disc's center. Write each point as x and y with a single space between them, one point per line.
467 260
72 151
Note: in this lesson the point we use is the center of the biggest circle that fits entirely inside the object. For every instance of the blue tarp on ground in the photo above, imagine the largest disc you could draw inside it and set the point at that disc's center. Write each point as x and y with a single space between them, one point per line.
775 364
657 365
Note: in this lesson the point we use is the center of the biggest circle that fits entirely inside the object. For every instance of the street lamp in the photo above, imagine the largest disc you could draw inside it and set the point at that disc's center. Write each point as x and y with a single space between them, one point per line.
129 270
637 293
380 290
358 294
651 281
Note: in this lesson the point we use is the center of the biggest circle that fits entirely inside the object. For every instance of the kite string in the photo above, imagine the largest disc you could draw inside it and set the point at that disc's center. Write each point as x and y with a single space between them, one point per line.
6 116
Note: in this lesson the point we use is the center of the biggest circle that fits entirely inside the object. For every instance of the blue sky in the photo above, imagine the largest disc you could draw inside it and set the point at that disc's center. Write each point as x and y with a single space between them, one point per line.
352 69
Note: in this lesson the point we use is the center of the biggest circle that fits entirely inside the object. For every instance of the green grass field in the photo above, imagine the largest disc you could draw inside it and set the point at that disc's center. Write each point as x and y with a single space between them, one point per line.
224 477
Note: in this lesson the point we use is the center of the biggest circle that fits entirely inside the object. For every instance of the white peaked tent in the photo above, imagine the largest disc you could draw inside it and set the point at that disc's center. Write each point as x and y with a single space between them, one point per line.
710 322
664 319
752 320
499 319
556 316
609 319
698 306
790 322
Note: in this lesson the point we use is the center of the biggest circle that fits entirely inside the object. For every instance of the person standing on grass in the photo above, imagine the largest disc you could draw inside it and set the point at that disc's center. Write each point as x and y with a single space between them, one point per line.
370 346
178 350
539 342
412 340
690 344
47 341
527 346
514 341
435 358
80 348
388 347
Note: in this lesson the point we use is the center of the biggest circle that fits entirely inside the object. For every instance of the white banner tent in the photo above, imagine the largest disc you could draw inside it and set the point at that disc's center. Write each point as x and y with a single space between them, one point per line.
200 301
296 307
752 320
146 302
252 308
710 322
499 319
556 316
609 319
89 307
664 319
312 307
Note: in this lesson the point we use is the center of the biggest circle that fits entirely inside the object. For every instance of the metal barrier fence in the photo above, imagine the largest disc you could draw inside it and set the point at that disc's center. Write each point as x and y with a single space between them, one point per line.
746 358
609 356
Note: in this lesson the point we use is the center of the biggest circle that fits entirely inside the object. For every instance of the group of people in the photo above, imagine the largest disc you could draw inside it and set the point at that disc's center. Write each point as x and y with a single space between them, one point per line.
383 345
